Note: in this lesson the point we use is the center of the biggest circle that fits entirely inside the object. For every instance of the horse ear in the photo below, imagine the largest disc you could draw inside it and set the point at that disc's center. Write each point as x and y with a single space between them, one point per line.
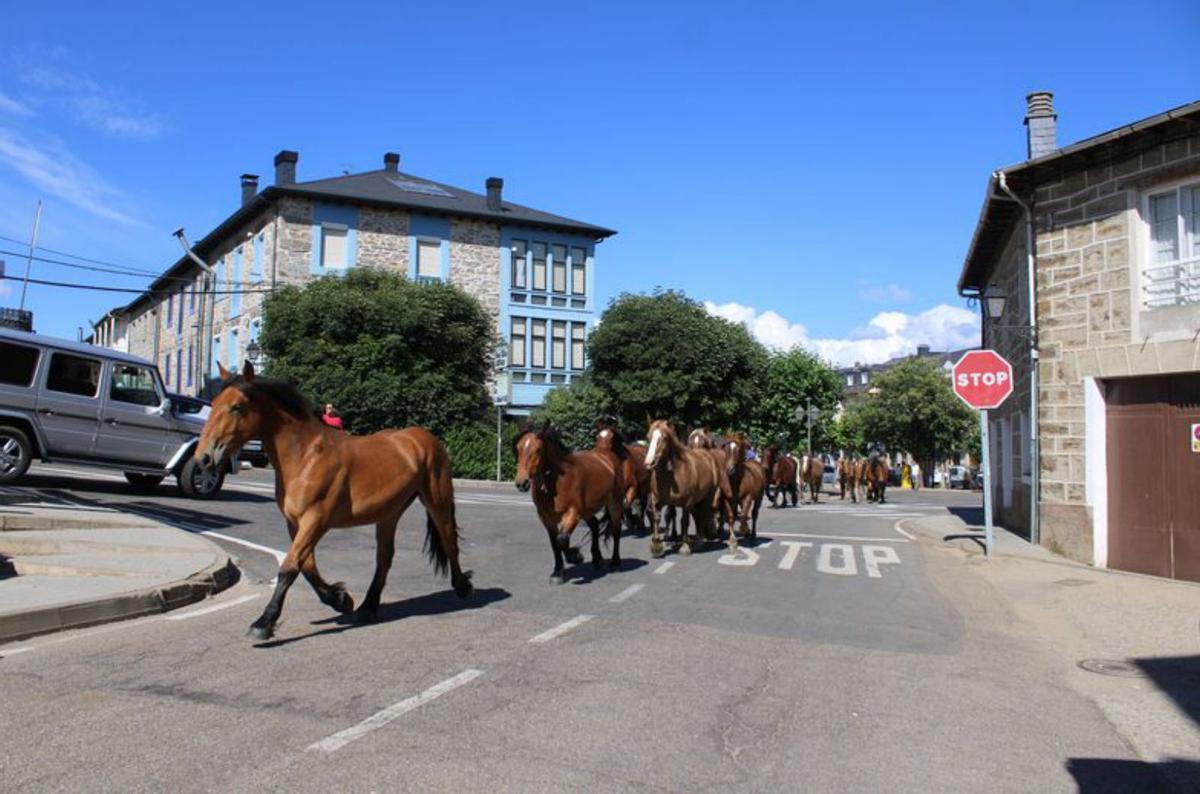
248 371
223 373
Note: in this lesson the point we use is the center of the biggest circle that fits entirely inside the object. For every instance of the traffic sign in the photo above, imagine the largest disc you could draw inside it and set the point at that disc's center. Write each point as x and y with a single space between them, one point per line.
983 379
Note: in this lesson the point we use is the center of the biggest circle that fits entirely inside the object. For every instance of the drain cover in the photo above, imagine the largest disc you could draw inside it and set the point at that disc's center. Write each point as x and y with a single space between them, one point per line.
1074 582
1114 667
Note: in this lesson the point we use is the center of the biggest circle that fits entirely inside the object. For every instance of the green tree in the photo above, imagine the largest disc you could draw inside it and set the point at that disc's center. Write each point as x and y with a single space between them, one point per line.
789 381
574 409
662 356
913 409
387 352
847 434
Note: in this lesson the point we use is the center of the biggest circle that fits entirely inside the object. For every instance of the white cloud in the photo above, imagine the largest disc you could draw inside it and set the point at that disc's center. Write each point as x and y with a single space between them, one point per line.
94 105
10 105
887 334
885 293
57 172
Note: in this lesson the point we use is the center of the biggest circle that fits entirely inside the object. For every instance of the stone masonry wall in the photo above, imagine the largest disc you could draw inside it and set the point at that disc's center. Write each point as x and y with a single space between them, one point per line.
475 262
383 239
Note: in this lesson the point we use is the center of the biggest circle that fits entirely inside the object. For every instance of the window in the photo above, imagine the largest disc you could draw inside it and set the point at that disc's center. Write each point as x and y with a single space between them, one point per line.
214 358
255 329
73 375
134 384
222 280
256 267
232 351
578 271
866 378
538 352
166 365
191 366
1173 277
558 347
849 380
519 249
516 353
179 314
178 368
429 259
17 364
192 298
235 284
334 248
170 309
560 267
578 330
539 266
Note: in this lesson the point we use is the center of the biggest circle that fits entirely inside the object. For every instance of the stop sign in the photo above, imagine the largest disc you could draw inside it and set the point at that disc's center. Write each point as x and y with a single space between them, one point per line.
983 379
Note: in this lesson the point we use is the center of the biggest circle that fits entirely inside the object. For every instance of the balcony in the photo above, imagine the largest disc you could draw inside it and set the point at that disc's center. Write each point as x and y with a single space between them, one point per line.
1173 284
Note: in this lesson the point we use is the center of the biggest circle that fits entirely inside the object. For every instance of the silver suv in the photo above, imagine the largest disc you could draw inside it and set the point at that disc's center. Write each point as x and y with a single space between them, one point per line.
75 403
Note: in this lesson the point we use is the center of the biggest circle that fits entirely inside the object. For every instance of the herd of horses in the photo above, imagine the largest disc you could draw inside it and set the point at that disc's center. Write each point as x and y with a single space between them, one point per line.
327 479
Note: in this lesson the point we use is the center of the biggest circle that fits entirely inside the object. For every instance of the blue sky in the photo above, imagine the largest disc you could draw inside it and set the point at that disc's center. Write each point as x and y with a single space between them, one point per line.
816 173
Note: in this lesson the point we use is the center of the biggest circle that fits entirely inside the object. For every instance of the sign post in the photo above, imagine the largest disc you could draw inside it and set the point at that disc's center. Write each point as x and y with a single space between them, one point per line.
500 399
984 380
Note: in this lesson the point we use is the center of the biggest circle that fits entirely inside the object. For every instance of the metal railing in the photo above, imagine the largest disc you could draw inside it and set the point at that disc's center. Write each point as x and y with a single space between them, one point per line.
1173 284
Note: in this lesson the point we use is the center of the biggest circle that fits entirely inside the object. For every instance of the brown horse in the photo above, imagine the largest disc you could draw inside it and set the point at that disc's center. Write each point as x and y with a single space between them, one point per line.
634 472
569 487
782 478
691 479
747 480
875 478
812 474
326 479
847 474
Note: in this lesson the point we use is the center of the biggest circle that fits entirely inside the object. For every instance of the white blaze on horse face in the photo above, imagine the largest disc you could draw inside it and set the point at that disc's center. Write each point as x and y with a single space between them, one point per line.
606 434
652 453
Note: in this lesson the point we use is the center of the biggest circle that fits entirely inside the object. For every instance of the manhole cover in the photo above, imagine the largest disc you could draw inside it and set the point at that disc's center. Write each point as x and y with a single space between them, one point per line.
1114 667
1073 582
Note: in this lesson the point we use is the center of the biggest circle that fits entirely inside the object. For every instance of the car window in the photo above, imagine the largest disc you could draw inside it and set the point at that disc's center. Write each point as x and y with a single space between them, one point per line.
133 384
17 364
74 375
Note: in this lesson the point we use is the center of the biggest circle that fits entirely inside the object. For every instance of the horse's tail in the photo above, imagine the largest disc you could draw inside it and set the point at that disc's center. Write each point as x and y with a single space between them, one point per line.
439 497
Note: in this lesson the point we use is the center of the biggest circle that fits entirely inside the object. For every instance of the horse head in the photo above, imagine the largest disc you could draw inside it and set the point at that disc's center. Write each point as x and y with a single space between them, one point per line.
234 418
735 447
663 442
538 452
700 439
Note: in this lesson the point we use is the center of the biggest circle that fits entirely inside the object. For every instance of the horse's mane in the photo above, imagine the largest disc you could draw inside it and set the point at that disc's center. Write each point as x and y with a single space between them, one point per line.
618 439
283 394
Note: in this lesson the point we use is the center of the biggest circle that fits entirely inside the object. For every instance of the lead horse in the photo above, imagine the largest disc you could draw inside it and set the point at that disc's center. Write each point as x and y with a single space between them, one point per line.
693 480
326 479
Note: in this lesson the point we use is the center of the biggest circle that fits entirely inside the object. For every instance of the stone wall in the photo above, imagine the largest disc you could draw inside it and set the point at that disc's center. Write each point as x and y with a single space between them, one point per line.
475 261
383 240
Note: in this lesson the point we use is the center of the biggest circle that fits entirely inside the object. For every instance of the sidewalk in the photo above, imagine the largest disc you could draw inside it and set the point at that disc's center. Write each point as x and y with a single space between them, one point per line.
1127 642
68 567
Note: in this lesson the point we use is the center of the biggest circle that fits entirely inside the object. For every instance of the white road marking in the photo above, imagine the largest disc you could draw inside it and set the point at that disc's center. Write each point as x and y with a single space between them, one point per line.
195 613
834 537
885 515
901 530
626 594
381 718
276 553
736 558
560 629
873 556
664 567
14 651
793 551
848 567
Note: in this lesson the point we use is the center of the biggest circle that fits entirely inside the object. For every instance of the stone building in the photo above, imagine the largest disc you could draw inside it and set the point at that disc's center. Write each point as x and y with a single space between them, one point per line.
533 271
1102 465
859 379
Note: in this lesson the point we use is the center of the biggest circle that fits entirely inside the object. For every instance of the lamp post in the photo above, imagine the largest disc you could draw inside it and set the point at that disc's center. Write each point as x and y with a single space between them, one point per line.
253 351
500 399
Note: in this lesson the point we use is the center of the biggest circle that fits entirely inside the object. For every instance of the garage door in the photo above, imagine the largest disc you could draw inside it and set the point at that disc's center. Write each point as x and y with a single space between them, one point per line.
1154 476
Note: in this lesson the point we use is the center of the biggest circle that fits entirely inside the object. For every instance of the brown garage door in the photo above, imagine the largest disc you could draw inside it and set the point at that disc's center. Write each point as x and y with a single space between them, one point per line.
1153 476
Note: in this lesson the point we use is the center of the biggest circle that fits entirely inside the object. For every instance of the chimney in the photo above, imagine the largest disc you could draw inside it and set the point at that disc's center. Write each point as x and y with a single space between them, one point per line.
922 350
249 188
285 167
1042 123
391 162
494 185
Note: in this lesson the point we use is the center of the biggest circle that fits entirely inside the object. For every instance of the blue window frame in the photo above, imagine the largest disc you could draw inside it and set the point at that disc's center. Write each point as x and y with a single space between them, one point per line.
232 351
178 368
170 308
256 267
167 368
191 366
215 358
235 284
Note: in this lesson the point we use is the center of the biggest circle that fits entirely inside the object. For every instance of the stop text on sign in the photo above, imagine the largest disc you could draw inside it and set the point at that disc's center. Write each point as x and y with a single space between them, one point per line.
983 379
978 378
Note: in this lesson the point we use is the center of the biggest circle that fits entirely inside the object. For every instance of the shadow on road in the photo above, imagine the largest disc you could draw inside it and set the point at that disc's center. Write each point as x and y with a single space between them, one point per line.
84 485
440 603
1108 775
1178 677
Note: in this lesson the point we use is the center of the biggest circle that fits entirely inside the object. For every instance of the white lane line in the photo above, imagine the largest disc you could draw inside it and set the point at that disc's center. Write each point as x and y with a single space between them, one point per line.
14 651
626 594
885 515
560 629
834 537
195 613
276 553
664 567
381 718
899 529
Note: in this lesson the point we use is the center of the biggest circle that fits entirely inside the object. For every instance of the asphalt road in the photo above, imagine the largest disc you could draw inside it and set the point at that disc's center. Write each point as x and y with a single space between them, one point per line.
838 654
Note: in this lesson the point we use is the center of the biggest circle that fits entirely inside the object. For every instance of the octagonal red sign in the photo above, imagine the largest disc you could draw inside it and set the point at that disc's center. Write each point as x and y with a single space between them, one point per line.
983 379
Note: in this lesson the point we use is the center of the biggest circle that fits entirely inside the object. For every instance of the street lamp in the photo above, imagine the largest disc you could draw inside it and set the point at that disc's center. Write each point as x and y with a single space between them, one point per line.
253 351
994 301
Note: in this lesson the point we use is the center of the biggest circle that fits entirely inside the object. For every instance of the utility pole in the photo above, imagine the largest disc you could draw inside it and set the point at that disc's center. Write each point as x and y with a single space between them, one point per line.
37 222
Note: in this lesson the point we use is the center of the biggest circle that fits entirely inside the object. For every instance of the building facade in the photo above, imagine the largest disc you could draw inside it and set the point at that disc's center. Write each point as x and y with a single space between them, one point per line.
1096 454
858 380
533 272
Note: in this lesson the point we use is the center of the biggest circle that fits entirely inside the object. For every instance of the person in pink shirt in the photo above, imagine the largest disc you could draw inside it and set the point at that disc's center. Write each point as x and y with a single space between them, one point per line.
331 418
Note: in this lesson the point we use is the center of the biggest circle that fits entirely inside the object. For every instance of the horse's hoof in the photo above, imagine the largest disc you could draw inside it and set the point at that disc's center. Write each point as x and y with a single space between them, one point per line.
614 563
657 549
685 549
261 633
557 578
462 585
573 556
598 563
340 600
363 616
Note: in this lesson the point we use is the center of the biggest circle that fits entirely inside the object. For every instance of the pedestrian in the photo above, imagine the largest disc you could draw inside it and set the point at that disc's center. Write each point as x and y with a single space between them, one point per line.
916 476
331 418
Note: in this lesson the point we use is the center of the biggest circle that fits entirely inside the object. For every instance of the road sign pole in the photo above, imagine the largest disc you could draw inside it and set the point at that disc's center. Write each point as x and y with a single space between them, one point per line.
810 424
985 452
499 413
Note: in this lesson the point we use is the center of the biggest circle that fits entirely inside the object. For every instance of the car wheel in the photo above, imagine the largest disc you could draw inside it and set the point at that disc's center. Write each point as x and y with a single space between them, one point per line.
16 453
144 482
200 482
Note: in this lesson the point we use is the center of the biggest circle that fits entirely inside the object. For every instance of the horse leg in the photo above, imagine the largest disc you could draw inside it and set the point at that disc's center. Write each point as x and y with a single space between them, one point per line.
311 529
615 528
656 542
566 525
556 576
816 491
685 547
597 557
333 595
385 550
441 529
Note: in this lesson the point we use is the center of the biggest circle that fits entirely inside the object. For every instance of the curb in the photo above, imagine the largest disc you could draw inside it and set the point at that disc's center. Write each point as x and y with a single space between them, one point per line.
17 523
139 603
482 483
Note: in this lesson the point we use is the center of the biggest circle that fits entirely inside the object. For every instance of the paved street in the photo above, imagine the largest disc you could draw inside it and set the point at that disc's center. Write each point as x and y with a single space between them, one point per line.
839 653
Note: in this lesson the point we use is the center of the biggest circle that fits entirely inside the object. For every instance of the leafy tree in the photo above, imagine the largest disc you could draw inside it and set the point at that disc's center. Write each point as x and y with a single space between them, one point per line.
914 410
848 434
387 352
663 356
790 380
574 409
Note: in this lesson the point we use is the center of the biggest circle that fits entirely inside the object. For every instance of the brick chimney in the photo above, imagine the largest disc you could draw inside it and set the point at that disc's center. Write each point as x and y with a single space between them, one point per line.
1042 124
249 188
391 162
285 167
494 185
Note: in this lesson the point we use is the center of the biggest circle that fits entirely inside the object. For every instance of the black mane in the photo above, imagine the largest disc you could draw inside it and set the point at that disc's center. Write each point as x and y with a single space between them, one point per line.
283 394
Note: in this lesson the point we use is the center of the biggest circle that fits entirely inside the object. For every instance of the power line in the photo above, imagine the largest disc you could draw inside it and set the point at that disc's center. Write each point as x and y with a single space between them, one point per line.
93 268
165 293
139 270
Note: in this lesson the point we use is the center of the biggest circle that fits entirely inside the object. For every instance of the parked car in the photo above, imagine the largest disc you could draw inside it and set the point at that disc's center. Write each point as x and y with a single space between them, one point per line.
960 477
68 402
252 452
